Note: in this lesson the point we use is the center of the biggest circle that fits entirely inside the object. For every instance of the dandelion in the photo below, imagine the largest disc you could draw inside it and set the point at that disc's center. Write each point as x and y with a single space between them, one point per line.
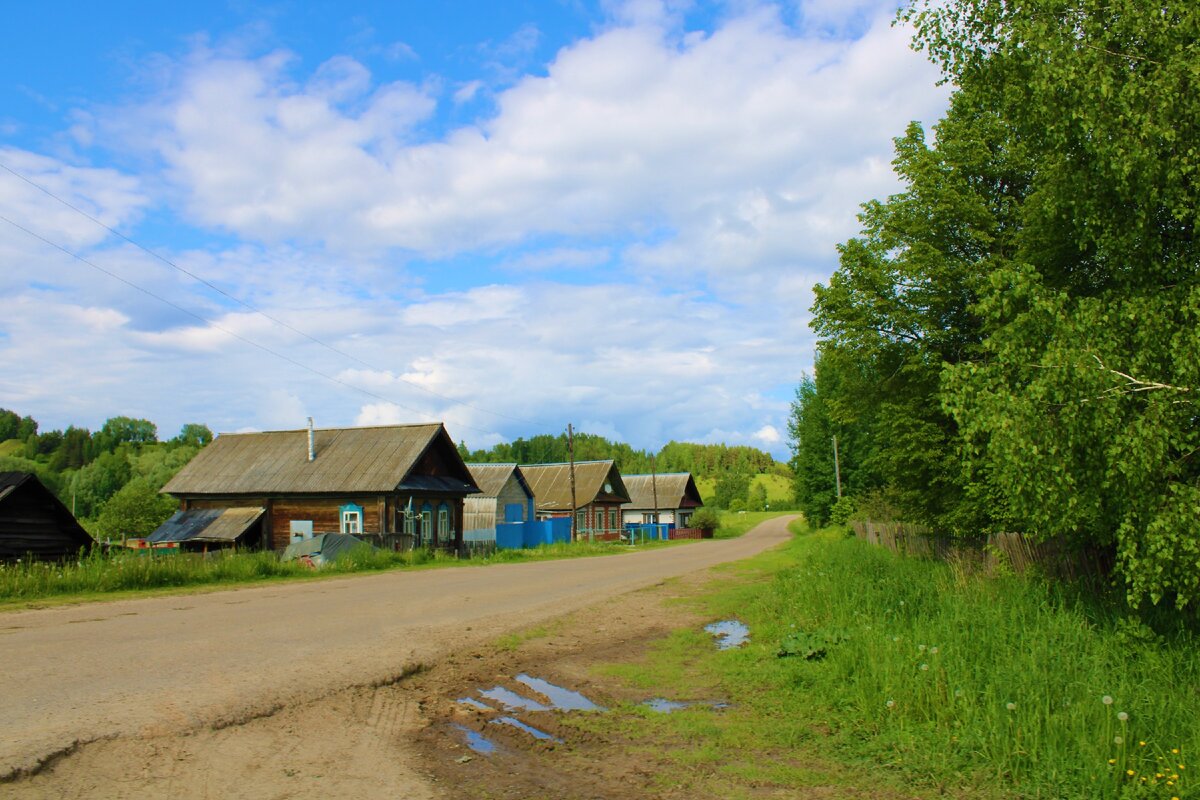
1112 761
958 692
1141 744
1121 715
1130 773
933 650
1107 700
1011 706
1175 751
890 703
1118 740
924 668
921 647
895 638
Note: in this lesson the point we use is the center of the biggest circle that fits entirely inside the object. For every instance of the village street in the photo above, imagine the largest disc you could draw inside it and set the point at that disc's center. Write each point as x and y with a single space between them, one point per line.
169 665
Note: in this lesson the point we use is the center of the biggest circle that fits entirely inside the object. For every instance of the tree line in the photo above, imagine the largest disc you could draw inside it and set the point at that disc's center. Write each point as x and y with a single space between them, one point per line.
109 478
1012 342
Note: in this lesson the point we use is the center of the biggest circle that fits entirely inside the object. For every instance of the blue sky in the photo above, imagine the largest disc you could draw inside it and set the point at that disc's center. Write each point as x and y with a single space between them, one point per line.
506 216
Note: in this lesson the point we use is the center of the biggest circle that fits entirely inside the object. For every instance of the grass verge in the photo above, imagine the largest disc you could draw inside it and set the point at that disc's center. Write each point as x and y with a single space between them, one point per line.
872 671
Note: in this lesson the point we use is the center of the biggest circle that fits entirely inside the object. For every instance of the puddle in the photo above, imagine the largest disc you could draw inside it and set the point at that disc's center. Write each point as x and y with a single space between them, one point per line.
532 731
730 633
476 740
560 698
665 706
473 703
511 700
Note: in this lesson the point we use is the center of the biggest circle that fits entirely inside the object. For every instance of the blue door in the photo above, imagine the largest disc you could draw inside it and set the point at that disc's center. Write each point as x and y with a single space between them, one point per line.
514 512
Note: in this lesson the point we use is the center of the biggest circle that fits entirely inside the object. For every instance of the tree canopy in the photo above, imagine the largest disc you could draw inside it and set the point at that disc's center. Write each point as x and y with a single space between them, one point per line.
1017 330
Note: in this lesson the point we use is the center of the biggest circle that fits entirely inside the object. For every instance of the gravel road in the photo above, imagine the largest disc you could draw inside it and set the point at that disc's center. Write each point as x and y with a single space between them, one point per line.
152 666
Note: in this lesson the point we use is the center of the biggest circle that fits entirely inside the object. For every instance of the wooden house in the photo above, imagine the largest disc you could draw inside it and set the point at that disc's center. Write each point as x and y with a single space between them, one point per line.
673 496
504 496
401 485
35 523
599 495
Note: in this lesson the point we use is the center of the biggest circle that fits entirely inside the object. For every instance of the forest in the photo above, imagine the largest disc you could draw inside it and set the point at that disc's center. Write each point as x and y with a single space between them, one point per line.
1012 341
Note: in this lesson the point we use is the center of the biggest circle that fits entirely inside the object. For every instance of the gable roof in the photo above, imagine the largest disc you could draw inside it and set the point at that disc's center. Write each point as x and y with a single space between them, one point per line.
675 490
551 484
491 478
207 525
35 522
348 460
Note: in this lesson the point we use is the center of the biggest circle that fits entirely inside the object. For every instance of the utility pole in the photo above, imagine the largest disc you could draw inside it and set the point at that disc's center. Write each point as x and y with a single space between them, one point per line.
571 455
654 486
837 470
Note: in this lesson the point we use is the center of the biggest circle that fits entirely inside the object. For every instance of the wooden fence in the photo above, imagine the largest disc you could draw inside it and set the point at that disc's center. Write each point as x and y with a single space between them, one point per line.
1053 557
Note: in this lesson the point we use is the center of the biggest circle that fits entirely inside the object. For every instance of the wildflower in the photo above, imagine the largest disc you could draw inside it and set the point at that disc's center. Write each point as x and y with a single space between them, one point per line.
1121 715
890 703
1107 700
924 667
921 647
1141 744
1112 761
1175 751
958 692
1118 740
1130 773
895 638
1011 706
933 650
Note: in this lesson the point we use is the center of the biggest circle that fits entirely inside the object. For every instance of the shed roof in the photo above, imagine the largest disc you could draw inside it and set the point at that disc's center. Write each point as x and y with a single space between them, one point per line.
594 480
222 525
376 460
491 478
675 490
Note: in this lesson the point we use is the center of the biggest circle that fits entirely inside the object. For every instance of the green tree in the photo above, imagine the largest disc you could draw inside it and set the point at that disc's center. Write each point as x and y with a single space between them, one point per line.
1080 407
135 510
94 484
193 435
117 431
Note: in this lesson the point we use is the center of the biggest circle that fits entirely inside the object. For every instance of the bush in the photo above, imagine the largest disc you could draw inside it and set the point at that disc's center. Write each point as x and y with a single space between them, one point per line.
706 519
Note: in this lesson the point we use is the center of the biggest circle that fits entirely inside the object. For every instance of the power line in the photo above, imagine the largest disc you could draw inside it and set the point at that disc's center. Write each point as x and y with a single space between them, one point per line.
238 336
250 306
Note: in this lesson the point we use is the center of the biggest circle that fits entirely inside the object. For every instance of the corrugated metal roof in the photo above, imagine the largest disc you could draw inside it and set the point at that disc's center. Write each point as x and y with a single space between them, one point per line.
551 484
207 525
347 460
491 478
673 488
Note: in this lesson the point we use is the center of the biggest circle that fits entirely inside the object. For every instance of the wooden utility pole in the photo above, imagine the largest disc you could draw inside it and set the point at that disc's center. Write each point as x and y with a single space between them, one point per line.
571 455
837 470
654 486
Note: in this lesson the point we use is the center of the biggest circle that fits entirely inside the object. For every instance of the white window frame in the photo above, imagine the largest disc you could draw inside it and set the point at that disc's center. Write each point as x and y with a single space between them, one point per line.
351 521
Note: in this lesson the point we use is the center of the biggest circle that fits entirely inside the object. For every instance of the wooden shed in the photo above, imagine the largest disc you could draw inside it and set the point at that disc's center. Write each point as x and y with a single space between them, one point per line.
599 495
399 485
504 496
33 522
673 496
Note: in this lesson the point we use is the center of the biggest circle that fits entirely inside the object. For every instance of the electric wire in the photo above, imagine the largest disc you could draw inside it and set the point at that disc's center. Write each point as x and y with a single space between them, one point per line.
251 307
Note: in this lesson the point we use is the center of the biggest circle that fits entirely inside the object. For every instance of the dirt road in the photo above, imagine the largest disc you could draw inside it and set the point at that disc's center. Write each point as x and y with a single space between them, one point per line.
141 669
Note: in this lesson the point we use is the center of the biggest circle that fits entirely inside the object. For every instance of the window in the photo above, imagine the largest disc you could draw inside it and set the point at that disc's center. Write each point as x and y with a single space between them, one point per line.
580 521
351 519
427 525
444 534
410 522
684 518
647 519
612 519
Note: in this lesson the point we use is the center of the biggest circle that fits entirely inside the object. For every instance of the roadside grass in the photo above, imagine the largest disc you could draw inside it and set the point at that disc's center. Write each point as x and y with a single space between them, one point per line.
119 575
910 673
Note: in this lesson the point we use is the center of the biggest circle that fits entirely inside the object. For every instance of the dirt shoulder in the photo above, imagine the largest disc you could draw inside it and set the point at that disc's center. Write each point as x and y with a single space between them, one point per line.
306 690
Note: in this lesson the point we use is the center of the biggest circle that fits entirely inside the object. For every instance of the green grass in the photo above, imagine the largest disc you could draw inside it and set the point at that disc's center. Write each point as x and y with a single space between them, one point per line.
12 447
931 678
779 488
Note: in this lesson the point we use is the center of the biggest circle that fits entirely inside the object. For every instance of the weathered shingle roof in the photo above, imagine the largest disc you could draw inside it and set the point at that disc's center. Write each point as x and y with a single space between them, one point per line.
675 490
347 460
491 478
551 484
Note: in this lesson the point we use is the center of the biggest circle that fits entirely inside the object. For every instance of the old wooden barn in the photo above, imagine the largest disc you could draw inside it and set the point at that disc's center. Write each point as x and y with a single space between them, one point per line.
33 522
599 495
399 485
